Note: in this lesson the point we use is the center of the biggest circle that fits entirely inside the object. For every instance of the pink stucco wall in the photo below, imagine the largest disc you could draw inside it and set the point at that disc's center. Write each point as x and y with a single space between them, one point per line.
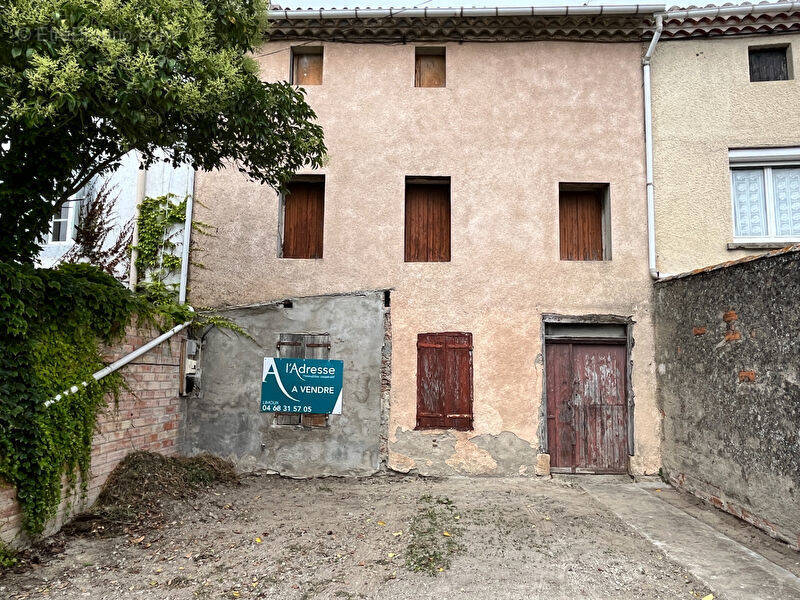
514 120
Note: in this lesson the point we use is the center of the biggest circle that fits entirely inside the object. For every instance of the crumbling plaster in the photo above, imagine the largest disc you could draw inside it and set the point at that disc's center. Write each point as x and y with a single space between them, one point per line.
513 122
704 104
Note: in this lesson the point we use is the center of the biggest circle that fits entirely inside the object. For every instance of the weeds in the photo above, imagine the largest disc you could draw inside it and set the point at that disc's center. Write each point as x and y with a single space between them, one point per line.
8 557
434 533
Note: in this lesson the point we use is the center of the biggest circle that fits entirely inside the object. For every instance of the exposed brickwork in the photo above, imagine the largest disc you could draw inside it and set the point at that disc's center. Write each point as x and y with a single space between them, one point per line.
148 416
699 330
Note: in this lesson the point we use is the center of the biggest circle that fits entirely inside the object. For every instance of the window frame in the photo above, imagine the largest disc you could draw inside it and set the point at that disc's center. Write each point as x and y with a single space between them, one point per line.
765 159
296 51
72 205
463 340
786 47
603 192
424 50
312 179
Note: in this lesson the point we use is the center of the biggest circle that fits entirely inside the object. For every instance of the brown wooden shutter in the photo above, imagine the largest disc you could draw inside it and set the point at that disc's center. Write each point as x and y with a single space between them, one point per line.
290 345
298 345
580 225
307 68
303 220
429 70
444 381
427 223
316 346
769 64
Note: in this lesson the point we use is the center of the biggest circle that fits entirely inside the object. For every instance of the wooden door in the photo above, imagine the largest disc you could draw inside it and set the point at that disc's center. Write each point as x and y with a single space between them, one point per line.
587 411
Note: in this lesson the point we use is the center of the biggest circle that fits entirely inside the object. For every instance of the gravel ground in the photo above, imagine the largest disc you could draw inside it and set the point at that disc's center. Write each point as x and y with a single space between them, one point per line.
344 538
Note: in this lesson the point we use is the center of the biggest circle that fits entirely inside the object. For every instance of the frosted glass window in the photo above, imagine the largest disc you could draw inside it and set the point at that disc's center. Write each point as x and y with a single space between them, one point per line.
786 191
749 206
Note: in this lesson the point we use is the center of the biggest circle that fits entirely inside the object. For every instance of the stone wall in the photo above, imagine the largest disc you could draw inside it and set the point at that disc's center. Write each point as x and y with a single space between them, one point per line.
149 416
728 362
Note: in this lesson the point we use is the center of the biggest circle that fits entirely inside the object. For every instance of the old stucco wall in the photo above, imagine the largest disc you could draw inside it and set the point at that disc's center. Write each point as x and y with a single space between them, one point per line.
703 105
223 417
513 122
729 385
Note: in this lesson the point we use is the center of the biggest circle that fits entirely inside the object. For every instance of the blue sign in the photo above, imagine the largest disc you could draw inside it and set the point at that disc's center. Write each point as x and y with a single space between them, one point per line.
302 386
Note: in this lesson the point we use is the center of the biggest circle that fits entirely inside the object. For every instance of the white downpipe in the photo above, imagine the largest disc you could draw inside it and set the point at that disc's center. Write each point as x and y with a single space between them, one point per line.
187 239
141 184
121 362
648 150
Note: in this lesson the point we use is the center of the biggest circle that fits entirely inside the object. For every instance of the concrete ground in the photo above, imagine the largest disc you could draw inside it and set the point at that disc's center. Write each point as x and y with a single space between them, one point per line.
704 543
272 537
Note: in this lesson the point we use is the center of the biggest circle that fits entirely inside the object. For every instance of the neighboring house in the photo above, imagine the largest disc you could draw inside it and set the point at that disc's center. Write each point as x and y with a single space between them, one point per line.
496 192
726 137
128 185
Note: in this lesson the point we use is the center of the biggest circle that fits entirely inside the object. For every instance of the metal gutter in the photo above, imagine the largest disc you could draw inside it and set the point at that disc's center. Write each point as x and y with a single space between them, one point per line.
739 10
121 362
438 13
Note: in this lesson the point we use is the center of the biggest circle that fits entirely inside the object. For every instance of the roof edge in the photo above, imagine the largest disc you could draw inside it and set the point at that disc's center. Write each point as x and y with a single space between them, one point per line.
732 263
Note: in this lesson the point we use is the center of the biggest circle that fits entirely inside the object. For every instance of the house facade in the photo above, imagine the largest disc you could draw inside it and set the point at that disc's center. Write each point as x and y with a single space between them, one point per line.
726 139
495 193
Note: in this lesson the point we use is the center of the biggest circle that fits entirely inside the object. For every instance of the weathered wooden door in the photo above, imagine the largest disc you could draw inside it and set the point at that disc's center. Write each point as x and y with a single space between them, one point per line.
587 412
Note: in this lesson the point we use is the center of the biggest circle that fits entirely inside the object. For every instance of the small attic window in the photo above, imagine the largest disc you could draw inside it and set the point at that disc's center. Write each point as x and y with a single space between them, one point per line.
307 65
769 63
429 67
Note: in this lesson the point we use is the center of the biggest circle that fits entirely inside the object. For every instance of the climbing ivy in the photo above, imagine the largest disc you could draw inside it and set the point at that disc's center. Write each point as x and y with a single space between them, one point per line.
53 320
158 218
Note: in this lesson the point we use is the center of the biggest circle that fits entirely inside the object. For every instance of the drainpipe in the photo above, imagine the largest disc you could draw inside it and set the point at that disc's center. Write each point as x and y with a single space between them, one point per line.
121 362
141 183
187 238
648 150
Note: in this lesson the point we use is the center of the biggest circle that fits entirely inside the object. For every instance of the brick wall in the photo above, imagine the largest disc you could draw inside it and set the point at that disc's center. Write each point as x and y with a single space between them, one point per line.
149 416
728 362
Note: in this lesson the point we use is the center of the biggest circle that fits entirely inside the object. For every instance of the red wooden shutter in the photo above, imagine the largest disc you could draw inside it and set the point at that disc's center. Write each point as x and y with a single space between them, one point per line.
444 381
303 219
580 225
427 223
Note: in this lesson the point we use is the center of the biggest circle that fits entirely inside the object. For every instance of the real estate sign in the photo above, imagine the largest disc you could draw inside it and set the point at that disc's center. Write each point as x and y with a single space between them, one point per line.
302 385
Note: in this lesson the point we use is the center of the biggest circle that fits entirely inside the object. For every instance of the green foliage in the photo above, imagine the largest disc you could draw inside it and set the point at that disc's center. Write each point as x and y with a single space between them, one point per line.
53 319
434 531
83 82
158 218
8 558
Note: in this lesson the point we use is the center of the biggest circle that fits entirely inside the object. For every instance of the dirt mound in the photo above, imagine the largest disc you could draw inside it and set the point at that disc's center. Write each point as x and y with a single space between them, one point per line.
140 490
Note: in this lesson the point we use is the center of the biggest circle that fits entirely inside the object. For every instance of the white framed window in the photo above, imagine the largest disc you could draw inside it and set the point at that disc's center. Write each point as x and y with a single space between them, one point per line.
765 194
62 226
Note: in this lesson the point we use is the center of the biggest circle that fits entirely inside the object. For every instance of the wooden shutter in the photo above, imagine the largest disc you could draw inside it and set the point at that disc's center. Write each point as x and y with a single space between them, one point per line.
580 217
307 68
769 64
298 345
444 381
316 346
290 345
303 220
427 223
429 70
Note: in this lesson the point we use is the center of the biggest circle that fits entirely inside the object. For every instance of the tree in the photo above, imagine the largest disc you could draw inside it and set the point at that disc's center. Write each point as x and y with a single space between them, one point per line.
83 82
96 222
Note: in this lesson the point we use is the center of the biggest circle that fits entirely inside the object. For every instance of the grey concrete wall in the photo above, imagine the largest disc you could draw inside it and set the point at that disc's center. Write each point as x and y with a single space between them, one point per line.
728 362
224 415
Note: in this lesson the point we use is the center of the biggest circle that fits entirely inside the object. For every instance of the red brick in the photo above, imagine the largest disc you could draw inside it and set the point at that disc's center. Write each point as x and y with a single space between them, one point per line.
732 336
747 376
699 330
729 316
